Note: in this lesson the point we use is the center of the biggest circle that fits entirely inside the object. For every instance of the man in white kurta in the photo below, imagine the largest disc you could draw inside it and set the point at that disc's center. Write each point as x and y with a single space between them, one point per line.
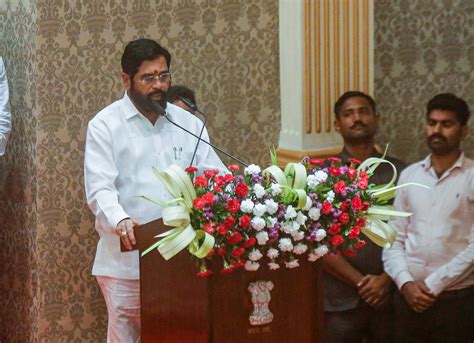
5 114
124 141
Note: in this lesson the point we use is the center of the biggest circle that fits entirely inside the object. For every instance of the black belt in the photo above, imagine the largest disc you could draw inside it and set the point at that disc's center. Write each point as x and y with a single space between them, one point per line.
456 294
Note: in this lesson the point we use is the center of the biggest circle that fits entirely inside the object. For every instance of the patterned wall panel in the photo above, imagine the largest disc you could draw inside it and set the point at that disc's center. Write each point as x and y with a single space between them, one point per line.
225 50
422 48
19 306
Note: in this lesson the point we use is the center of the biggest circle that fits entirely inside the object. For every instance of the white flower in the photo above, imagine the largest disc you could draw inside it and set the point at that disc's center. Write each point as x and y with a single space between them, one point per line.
320 235
290 226
292 264
276 189
321 176
297 235
300 248
308 204
262 237
271 222
290 212
246 206
252 169
285 244
330 196
255 255
272 253
273 266
259 210
314 213
313 257
251 266
312 181
321 250
301 218
259 190
272 206
258 223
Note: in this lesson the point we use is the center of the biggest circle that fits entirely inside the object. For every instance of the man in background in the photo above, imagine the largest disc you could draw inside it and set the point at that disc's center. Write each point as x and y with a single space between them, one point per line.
177 93
124 141
432 259
5 114
357 291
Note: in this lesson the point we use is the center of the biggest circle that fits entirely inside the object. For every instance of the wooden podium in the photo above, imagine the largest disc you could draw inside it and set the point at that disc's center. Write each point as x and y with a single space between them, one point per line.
178 306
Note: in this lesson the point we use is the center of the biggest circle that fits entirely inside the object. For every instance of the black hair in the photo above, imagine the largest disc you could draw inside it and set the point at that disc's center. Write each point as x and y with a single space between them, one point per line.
351 94
181 91
140 50
449 102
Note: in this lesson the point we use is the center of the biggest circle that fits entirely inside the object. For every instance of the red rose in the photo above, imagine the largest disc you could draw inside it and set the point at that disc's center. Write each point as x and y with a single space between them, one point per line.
334 229
229 178
235 238
209 228
229 222
221 251
354 161
348 252
245 221
241 189
354 232
359 245
340 187
210 173
250 242
335 171
361 222
233 206
199 203
237 252
326 208
200 181
233 167
344 207
208 198
204 273
316 161
344 218
334 159
219 180
222 230
337 240
217 189
356 204
191 169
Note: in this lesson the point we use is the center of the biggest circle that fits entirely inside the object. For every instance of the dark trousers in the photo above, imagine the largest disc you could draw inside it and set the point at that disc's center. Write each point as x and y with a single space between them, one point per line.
362 324
450 319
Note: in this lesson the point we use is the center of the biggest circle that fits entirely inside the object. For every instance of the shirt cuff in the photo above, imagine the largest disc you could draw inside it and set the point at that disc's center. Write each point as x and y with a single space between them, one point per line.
402 278
116 217
436 289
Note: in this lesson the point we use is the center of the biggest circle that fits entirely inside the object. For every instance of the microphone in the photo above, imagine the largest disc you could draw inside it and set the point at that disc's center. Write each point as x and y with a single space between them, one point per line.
161 111
194 108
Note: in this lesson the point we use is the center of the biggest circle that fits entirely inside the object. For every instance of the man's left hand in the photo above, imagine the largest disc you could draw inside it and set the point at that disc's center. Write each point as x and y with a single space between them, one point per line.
374 289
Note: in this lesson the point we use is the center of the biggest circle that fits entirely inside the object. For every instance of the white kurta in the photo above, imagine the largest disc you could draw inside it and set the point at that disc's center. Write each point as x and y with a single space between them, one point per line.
5 114
122 146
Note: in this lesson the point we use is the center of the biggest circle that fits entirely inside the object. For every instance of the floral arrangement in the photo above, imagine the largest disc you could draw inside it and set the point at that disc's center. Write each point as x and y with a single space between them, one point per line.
274 218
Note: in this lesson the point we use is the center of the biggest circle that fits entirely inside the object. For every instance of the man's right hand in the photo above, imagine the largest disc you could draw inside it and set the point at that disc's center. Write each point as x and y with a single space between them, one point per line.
417 295
125 231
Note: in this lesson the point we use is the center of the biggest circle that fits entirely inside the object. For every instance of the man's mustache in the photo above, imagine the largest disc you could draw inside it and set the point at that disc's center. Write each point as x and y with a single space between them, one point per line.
437 136
357 125
158 91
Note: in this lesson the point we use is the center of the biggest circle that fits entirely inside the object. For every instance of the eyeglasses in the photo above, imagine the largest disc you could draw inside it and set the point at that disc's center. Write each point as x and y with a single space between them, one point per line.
151 79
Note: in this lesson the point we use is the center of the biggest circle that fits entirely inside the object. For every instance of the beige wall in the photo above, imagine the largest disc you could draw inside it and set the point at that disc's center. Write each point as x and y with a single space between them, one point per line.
63 62
422 48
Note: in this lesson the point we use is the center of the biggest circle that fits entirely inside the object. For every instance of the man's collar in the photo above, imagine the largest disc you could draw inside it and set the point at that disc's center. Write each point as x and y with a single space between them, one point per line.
344 154
426 163
129 108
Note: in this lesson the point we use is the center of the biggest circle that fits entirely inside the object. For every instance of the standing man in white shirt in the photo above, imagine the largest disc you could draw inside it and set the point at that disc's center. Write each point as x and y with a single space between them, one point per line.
5 114
432 259
124 141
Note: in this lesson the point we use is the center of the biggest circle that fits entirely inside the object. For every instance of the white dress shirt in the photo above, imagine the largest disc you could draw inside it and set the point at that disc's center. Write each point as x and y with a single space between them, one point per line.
122 146
5 115
435 244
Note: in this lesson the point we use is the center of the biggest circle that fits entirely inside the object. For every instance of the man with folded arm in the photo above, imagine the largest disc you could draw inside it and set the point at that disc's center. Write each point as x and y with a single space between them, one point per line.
124 141
357 291
432 259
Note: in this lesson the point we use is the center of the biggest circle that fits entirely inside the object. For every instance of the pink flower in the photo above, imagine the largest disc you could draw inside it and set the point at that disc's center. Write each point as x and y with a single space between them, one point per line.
209 228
